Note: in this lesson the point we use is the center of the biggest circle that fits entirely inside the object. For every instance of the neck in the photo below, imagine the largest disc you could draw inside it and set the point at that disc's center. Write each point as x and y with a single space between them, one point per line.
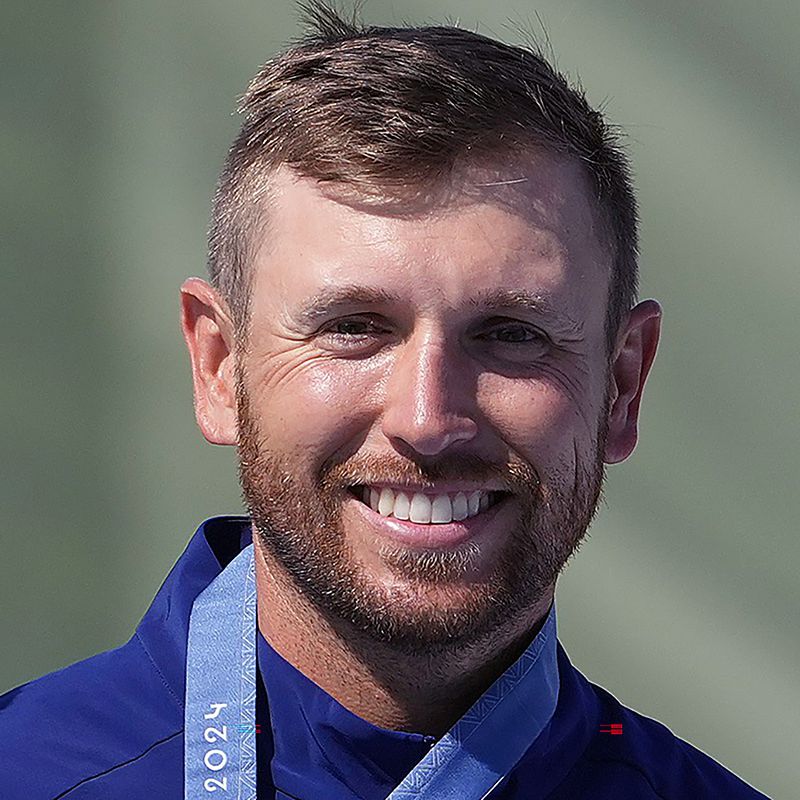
422 694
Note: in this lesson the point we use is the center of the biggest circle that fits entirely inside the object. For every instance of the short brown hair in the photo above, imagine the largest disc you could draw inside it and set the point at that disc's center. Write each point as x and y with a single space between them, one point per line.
391 108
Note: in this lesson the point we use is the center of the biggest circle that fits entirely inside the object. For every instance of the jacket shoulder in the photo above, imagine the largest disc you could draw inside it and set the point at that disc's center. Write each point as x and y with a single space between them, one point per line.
650 756
87 730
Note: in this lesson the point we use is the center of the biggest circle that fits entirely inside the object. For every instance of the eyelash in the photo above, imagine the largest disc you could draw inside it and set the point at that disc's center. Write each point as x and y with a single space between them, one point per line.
538 336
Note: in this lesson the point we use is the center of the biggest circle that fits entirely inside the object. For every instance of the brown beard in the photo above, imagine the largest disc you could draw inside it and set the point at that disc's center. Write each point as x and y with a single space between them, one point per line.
300 526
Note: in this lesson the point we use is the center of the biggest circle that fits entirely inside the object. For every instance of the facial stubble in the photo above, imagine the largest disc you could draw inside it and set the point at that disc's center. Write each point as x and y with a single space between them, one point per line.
300 526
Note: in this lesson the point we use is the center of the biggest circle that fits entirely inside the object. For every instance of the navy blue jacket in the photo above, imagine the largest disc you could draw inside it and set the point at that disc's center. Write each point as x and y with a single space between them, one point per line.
111 726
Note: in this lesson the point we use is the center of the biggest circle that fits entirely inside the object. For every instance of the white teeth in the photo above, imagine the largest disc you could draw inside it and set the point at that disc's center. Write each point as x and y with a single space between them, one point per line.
423 509
420 509
460 506
402 505
441 509
386 502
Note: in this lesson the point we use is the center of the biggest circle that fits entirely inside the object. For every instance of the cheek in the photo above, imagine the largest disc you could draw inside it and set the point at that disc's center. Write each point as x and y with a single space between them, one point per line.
313 408
538 418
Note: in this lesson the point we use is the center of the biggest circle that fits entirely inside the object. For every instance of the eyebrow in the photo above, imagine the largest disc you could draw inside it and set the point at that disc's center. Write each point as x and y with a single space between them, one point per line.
333 298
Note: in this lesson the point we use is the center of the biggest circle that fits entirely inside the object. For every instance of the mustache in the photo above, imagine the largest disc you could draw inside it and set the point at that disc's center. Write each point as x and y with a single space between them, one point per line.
373 468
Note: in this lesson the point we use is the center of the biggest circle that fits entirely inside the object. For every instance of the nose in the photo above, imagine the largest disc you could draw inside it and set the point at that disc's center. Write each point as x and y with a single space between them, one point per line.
428 398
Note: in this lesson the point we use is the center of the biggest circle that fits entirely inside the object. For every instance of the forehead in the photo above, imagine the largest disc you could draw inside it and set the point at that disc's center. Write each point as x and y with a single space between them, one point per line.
528 226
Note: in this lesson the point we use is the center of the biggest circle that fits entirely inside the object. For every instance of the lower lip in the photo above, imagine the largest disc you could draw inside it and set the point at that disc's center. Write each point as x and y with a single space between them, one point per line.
441 535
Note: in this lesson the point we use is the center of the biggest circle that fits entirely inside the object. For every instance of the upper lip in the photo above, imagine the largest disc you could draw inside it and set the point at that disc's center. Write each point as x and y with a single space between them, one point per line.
439 488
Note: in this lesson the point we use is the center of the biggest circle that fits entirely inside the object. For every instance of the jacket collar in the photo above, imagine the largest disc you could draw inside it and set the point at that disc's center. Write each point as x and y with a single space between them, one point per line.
164 629
164 632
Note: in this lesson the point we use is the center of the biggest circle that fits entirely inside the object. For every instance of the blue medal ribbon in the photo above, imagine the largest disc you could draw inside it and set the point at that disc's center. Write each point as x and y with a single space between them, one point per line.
220 716
467 763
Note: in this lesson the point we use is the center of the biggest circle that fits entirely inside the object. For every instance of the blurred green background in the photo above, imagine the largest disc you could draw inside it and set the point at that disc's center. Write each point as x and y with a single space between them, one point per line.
115 119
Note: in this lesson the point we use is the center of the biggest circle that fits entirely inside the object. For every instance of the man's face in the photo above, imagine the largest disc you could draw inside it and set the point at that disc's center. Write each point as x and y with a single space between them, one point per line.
421 387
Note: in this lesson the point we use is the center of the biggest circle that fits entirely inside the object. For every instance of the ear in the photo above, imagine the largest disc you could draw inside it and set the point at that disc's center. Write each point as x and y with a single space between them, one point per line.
208 331
632 359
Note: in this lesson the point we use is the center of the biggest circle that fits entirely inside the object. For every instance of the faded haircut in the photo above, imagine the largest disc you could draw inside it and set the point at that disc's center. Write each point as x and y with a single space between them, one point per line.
381 112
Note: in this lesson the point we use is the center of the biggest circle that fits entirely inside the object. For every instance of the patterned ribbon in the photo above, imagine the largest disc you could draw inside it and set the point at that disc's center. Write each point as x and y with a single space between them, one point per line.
468 763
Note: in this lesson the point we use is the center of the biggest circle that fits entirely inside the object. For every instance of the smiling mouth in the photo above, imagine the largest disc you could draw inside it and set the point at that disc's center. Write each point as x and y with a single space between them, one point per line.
427 508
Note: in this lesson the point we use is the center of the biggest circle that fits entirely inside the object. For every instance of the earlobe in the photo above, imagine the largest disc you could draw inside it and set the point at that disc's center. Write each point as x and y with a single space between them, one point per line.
629 373
208 333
